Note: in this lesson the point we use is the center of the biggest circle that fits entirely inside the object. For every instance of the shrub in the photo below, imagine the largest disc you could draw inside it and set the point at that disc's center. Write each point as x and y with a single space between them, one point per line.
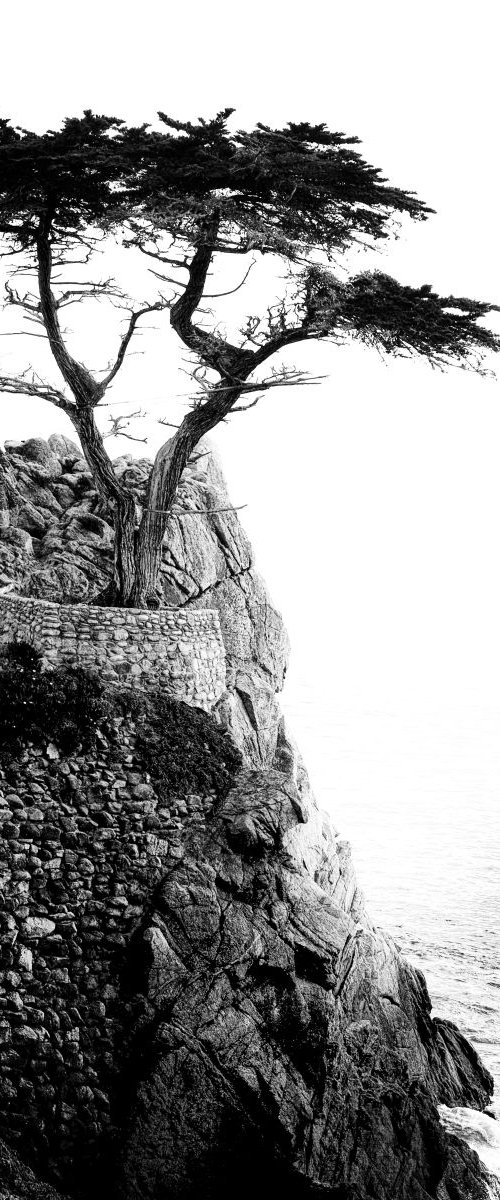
184 750
66 706
181 747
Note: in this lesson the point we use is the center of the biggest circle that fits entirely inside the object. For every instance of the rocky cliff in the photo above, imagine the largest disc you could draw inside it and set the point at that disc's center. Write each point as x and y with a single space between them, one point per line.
56 543
194 1001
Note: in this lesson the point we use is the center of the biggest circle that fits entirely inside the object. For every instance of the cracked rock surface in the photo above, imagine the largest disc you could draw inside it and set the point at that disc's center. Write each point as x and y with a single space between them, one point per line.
288 1045
56 542
273 1042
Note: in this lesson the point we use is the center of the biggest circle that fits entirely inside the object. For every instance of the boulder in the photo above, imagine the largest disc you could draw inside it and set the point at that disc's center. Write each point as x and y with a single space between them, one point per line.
65 450
36 450
32 520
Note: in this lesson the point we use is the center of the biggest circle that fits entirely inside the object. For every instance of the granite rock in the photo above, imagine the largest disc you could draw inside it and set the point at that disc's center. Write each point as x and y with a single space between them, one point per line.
291 1049
223 1017
207 563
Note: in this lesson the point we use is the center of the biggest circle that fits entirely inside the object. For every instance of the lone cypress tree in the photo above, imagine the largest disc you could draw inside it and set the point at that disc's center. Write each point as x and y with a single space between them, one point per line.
184 195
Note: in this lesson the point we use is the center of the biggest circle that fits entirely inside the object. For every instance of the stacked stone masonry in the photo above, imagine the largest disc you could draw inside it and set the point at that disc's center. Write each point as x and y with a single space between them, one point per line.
179 651
84 842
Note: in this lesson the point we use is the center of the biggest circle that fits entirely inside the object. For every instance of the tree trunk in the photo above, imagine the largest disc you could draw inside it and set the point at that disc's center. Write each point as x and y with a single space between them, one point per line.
165 478
124 563
119 591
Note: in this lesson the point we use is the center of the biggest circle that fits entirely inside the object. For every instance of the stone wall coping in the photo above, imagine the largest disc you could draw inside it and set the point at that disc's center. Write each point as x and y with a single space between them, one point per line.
196 614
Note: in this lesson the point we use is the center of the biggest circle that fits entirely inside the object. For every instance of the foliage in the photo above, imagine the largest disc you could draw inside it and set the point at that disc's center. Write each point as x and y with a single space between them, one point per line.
184 193
397 318
298 186
278 189
65 706
73 176
298 192
184 750
181 747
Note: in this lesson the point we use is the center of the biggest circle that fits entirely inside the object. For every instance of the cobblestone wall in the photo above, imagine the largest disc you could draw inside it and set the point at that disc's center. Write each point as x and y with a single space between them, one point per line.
181 652
84 841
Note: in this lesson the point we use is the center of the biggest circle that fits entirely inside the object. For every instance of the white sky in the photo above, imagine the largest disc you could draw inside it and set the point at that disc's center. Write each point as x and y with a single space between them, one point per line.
373 501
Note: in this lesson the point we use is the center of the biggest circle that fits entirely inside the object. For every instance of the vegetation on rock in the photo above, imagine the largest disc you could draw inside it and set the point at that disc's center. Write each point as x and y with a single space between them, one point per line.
183 749
66 706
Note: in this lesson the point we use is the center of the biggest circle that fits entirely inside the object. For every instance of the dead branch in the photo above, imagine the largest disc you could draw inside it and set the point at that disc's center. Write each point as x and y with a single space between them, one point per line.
126 339
28 302
165 278
34 387
198 512
120 424
284 378
24 333
245 407
91 291
164 258
217 295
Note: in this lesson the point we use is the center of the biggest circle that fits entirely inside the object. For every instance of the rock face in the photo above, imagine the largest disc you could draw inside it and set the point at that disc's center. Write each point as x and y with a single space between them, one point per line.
262 1036
18 1182
290 1047
56 543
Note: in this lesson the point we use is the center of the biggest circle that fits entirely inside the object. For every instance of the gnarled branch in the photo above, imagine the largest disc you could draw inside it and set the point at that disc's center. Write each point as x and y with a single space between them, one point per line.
31 387
125 342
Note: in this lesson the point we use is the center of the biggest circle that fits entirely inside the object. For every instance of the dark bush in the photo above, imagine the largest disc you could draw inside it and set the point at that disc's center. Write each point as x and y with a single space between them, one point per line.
184 750
66 706
181 747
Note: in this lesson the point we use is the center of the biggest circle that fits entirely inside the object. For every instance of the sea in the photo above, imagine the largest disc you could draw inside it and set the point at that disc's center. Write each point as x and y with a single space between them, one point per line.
417 794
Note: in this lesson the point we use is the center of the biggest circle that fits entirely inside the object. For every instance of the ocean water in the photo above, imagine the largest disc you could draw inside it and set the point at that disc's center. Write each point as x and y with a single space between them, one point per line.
418 796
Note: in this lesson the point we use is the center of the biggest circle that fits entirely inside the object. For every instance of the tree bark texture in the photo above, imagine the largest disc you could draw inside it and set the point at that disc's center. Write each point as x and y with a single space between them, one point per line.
123 505
165 478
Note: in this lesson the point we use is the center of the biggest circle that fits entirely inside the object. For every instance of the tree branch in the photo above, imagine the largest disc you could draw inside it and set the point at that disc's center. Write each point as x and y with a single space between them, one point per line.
92 291
289 337
164 258
217 295
18 384
220 354
187 304
15 229
125 342
120 424
27 302
82 384
198 512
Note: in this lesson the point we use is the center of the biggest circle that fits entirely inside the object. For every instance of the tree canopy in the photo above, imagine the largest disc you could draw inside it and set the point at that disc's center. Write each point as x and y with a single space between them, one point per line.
183 194
284 189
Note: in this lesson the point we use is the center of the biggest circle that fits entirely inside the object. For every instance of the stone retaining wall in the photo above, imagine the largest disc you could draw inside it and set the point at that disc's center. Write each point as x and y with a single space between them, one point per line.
181 652
84 842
